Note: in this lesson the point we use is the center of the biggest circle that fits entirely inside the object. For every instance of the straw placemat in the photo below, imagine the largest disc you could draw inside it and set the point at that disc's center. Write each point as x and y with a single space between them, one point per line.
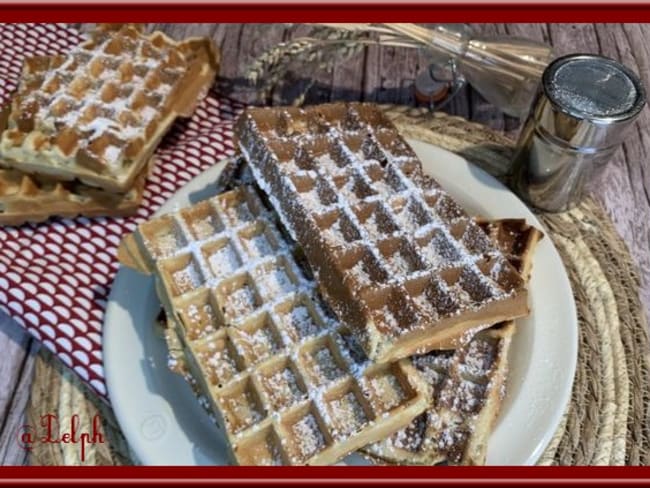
608 419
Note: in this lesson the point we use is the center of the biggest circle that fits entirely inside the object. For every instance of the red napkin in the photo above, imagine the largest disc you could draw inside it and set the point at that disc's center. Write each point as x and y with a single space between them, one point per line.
55 277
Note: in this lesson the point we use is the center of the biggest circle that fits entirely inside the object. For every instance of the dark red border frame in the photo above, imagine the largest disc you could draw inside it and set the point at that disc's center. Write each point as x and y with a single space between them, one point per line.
331 475
231 11
328 476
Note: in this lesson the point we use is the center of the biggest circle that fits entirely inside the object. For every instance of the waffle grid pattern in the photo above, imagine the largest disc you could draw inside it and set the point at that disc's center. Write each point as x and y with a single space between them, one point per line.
55 277
30 198
466 388
352 193
97 112
290 383
466 385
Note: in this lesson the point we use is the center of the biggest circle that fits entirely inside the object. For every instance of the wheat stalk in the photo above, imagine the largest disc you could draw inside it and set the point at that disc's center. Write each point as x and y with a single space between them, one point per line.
327 44
275 56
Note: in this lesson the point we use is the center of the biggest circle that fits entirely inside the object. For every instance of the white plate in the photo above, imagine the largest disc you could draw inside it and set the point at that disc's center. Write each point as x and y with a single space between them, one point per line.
164 424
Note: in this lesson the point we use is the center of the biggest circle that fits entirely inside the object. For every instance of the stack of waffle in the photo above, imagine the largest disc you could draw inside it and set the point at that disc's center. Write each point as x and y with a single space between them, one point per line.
310 300
287 381
82 127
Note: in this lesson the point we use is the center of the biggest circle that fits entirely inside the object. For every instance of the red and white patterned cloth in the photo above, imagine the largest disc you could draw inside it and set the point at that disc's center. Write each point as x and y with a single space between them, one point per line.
55 277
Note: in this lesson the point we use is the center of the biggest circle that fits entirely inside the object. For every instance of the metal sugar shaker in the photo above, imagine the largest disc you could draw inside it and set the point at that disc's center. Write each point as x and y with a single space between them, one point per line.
578 120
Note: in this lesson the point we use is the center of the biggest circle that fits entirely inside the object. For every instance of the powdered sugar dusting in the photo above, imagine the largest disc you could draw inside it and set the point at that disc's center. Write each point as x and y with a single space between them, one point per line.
382 194
274 283
411 437
258 344
348 415
386 320
323 366
258 246
80 95
360 273
112 155
387 390
224 261
215 358
187 278
240 302
282 389
269 342
478 359
238 212
299 323
205 227
307 436
398 263
167 244
202 320
242 411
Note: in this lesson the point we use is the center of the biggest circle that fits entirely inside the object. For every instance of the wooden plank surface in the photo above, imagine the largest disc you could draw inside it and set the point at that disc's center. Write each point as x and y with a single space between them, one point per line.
18 352
386 75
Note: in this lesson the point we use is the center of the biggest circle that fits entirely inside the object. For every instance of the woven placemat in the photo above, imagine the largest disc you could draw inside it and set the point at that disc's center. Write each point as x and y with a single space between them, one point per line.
608 419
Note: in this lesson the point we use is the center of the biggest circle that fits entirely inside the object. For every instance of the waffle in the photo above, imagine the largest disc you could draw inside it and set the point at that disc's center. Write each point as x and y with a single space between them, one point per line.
395 256
288 383
31 198
97 113
515 239
466 385
34 198
483 363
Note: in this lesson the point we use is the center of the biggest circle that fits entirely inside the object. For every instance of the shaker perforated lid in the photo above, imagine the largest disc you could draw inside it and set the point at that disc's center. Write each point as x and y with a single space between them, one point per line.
588 100
589 86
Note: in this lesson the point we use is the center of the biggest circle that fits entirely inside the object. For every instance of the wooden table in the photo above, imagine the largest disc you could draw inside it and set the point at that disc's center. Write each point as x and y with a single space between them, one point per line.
386 75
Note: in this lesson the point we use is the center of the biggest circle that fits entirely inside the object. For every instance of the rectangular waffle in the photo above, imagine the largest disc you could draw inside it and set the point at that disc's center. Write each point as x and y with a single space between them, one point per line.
286 380
97 113
395 256
33 198
513 237
466 385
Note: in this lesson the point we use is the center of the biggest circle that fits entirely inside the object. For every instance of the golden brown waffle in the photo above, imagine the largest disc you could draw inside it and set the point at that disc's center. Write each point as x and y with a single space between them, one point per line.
478 369
98 113
516 239
30 198
394 255
34 198
286 380
466 385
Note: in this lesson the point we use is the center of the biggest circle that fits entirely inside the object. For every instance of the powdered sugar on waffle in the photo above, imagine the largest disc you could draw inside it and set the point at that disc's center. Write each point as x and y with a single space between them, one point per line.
201 321
65 267
80 95
298 324
224 261
283 389
309 439
187 278
275 351
459 386
414 212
